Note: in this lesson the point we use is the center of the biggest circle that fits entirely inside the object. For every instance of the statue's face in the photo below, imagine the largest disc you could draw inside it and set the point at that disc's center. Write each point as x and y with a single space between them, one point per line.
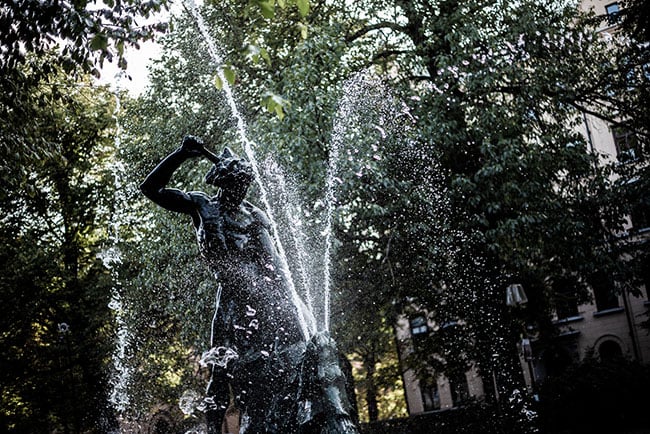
231 173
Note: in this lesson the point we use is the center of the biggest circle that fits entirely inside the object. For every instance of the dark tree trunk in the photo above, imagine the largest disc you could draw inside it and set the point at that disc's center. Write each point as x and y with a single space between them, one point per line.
371 389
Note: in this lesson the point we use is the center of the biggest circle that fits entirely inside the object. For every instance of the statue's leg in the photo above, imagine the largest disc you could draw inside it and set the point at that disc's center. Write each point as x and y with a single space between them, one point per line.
221 359
264 394
217 400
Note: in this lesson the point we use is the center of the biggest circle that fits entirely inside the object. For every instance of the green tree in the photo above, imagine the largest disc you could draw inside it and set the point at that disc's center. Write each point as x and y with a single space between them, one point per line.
85 32
77 38
528 198
55 318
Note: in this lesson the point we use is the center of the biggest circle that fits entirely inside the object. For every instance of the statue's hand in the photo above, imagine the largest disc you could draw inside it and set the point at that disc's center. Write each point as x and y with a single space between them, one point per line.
192 146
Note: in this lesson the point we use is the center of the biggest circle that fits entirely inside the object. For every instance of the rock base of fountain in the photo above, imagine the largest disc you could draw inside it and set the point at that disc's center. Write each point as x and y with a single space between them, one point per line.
315 397
324 406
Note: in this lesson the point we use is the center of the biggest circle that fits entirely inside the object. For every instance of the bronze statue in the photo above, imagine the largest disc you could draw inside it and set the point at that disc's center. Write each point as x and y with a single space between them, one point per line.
281 382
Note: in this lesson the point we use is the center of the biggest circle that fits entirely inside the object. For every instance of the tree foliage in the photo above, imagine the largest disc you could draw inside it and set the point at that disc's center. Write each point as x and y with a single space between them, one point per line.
472 176
54 289
77 38
84 32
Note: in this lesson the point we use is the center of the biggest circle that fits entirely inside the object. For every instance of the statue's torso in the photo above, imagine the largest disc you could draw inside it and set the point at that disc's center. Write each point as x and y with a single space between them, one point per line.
256 312
224 234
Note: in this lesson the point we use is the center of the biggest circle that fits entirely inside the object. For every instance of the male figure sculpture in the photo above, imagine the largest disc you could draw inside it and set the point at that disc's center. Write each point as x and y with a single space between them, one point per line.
256 319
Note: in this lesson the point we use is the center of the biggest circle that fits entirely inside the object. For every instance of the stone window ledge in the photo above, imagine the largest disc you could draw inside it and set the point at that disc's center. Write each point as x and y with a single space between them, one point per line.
606 312
569 320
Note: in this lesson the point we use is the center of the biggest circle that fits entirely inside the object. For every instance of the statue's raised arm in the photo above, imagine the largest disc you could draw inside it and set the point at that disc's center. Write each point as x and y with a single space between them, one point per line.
155 184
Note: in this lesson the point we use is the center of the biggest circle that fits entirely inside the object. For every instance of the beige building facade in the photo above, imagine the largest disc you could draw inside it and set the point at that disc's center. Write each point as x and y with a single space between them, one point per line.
442 393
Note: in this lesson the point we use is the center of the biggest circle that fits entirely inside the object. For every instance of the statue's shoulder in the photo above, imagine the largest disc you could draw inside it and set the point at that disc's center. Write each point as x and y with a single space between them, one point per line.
257 214
198 197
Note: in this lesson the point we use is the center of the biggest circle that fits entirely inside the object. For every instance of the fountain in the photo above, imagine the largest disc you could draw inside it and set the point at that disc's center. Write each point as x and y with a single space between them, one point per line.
268 357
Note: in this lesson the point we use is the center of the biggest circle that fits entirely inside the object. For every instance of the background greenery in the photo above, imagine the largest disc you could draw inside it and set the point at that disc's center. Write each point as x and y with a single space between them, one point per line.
461 172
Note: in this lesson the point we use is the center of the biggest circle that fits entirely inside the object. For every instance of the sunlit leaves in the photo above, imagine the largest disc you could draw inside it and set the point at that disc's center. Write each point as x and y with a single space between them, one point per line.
227 73
267 7
255 53
304 30
86 34
303 7
275 104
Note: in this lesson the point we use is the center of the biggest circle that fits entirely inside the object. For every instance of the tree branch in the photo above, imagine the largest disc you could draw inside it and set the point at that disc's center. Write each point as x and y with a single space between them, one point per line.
371 28
388 53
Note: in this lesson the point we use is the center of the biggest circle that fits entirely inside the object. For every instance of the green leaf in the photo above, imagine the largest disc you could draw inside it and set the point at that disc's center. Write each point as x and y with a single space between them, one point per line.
303 7
269 103
279 111
99 42
253 53
217 82
267 8
275 104
120 48
229 74
303 30
265 56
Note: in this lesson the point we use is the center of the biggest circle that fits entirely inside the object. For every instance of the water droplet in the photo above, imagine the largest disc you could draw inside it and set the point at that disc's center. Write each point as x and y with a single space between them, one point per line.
189 402
219 356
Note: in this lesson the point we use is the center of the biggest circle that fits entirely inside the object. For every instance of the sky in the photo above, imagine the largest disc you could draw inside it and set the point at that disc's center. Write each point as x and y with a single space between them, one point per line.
135 79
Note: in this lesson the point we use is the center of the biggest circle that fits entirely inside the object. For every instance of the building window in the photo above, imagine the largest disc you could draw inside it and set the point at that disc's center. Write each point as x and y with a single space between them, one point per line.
556 360
566 302
610 351
430 396
627 145
612 10
419 326
459 389
604 291
640 215
645 278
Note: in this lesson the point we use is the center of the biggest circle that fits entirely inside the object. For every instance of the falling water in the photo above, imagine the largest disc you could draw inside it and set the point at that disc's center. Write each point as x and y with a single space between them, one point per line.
353 89
330 198
214 317
119 396
111 258
306 321
287 197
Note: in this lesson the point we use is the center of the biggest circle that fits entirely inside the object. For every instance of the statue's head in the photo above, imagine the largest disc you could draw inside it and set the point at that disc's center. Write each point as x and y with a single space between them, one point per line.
231 172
